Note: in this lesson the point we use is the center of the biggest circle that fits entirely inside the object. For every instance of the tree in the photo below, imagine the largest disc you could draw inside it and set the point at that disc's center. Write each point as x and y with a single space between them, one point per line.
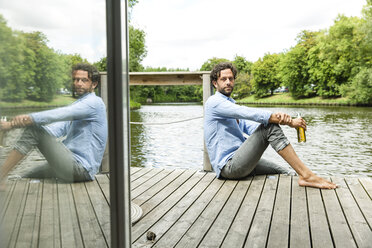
265 73
336 57
210 63
47 73
137 48
359 90
12 73
243 82
242 65
294 66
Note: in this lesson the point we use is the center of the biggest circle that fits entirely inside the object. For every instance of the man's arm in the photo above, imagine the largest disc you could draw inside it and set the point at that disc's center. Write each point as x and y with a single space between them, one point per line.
285 119
17 121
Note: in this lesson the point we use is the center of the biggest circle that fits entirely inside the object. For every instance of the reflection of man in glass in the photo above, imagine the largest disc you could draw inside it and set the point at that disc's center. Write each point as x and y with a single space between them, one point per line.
232 155
81 125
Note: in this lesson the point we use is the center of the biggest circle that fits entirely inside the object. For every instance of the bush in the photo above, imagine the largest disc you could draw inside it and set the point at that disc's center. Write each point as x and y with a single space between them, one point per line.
360 89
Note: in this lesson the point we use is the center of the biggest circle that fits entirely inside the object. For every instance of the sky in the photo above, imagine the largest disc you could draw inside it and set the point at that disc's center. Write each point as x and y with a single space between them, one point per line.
180 33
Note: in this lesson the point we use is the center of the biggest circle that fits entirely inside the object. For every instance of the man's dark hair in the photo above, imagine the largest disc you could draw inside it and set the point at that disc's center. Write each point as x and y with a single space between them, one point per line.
93 73
216 71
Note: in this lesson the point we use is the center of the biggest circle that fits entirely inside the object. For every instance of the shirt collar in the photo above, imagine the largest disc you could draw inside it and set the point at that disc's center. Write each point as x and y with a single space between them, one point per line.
225 97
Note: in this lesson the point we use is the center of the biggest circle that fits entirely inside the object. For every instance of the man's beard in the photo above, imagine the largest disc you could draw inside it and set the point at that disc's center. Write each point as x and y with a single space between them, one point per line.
227 93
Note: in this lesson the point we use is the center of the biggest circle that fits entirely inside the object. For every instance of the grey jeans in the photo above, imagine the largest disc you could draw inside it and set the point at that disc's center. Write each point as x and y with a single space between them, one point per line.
247 159
61 163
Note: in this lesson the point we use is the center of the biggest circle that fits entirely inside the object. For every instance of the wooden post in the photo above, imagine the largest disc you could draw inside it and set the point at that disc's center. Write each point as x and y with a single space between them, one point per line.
207 92
105 166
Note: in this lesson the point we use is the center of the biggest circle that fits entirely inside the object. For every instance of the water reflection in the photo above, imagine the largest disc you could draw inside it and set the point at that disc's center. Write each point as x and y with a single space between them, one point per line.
338 138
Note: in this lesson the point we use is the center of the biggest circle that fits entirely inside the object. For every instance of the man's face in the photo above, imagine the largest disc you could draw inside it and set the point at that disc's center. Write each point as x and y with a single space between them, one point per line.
82 83
225 82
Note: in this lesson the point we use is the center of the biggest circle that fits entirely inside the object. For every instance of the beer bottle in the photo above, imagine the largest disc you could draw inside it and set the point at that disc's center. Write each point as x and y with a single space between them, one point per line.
301 135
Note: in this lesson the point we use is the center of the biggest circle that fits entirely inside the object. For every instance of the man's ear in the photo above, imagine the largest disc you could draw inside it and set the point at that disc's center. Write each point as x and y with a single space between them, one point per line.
214 84
94 84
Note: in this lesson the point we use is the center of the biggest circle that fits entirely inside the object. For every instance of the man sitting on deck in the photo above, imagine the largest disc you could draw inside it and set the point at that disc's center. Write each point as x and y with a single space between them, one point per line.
232 155
82 123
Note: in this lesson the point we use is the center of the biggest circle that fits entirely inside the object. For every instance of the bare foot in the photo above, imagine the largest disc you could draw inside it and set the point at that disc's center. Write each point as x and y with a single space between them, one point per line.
316 182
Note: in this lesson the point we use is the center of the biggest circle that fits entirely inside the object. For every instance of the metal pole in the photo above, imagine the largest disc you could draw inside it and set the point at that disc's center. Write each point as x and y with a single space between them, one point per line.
118 119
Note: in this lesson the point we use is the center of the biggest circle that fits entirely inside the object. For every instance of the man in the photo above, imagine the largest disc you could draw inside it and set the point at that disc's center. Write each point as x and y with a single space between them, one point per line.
231 154
82 125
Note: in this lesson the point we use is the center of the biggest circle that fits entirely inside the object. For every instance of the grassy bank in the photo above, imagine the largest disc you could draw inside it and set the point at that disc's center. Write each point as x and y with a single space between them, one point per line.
286 99
59 101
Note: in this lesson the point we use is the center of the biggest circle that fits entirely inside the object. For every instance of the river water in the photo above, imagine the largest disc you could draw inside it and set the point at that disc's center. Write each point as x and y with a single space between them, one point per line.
338 138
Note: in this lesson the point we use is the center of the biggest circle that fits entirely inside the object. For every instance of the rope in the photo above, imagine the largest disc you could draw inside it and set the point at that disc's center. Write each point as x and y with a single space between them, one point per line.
164 123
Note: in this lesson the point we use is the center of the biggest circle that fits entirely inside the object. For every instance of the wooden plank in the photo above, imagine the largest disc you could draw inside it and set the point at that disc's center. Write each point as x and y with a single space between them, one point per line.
359 227
300 230
13 212
279 230
29 222
101 208
150 183
36 235
199 228
151 174
242 222
165 78
367 185
320 234
362 198
49 235
172 216
150 192
134 169
175 233
19 217
220 227
168 199
5 198
89 226
104 184
341 233
140 174
168 191
258 234
70 230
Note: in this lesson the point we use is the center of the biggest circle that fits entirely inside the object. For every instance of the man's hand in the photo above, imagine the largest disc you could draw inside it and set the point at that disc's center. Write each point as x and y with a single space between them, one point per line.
21 121
5 125
285 119
298 122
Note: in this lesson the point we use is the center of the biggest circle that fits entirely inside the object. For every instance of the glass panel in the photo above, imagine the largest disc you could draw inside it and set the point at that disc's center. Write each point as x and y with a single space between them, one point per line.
52 193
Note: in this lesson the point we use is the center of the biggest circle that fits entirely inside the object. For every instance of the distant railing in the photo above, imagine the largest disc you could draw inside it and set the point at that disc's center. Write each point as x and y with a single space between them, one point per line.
163 78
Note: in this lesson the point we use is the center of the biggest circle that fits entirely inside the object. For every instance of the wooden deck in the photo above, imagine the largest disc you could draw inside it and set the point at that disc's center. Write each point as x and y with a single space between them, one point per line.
187 208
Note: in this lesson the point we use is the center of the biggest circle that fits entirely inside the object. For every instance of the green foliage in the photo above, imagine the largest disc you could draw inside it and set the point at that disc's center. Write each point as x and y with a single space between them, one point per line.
294 67
336 57
360 88
12 75
101 65
242 65
210 63
266 75
47 73
137 48
243 85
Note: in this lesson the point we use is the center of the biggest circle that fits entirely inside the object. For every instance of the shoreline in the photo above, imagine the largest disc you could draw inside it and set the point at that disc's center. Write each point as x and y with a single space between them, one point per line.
305 104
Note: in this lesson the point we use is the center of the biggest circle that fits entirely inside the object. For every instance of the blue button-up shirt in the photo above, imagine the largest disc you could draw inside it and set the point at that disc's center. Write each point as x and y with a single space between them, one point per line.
222 133
84 124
